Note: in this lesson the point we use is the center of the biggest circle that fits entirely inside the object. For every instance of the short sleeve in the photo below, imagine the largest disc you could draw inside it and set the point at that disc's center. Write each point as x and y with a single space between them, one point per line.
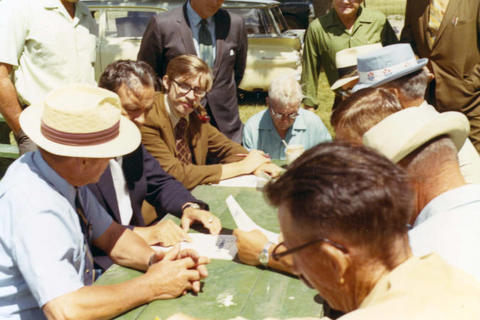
13 30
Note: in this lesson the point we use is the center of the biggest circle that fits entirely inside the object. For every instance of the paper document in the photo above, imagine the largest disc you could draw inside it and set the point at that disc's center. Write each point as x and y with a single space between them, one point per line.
244 222
221 247
249 181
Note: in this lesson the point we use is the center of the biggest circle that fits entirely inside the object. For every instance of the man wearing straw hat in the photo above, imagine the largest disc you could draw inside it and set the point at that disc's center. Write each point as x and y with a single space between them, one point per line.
49 219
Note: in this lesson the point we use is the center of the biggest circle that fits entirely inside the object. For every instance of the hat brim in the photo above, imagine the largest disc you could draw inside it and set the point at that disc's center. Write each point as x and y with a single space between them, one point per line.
341 82
420 64
453 124
127 141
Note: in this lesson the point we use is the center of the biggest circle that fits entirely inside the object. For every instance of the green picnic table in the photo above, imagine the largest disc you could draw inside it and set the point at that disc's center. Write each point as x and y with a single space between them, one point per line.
232 289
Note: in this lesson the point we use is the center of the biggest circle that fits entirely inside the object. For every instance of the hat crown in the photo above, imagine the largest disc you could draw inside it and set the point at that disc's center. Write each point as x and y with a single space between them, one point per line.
81 109
348 57
385 57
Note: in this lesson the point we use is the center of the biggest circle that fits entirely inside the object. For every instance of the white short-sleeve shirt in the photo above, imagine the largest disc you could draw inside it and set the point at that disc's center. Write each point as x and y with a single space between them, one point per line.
46 47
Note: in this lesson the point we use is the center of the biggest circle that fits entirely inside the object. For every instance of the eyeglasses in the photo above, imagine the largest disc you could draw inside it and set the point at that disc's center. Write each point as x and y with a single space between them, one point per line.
277 255
184 89
279 116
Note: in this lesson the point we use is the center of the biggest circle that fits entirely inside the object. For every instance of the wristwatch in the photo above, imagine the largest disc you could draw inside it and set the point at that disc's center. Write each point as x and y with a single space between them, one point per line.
263 256
191 205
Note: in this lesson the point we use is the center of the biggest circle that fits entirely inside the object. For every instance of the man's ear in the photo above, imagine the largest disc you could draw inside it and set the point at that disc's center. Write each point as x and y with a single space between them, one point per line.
340 261
166 83
266 101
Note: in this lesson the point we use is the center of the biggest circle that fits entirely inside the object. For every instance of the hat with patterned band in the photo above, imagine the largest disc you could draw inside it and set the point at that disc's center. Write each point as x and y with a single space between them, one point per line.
80 121
386 64
346 63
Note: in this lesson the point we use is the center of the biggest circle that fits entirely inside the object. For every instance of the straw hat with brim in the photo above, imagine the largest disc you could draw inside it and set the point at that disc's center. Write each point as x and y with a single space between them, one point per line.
386 64
80 121
346 62
403 132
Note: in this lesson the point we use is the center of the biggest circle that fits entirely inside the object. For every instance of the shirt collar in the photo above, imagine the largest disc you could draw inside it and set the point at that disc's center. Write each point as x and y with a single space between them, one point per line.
194 18
334 20
50 176
172 114
449 201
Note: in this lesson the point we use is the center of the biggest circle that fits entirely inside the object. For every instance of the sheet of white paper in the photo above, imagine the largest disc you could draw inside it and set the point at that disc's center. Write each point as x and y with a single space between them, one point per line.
244 222
250 181
215 247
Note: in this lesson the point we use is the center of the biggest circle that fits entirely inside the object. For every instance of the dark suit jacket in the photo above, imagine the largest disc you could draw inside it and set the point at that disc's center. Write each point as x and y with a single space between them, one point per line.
454 56
146 180
169 35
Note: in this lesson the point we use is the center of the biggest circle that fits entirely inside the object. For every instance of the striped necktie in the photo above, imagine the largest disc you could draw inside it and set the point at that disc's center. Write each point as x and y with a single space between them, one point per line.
437 11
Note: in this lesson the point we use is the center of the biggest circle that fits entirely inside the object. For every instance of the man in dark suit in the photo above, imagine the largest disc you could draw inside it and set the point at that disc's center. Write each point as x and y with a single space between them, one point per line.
137 176
187 30
447 32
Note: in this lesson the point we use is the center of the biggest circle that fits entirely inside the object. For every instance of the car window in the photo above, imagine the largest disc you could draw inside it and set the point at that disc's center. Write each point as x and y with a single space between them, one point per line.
257 21
280 19
126 23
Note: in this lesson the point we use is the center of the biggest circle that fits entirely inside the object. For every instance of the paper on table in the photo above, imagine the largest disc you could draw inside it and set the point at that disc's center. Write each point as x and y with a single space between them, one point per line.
250 181
215 247
244 222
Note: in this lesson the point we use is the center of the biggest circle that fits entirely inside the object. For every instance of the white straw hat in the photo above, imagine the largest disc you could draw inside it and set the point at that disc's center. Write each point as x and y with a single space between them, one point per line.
346 62
80 121
403 132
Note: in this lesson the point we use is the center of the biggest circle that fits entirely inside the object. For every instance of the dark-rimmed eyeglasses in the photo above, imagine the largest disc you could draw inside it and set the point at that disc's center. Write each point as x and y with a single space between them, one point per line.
184 89
277 255
278 115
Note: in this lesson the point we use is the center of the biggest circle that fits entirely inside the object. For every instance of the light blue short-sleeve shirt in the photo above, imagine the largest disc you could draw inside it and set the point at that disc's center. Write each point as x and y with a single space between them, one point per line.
41 242
260 133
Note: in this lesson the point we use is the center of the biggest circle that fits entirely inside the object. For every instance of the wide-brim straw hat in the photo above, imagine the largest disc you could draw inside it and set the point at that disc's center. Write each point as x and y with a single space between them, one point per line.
346 62
386 64
403 132
80 121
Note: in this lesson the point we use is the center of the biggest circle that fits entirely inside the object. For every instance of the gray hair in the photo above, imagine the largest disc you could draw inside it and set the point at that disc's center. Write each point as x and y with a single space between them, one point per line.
413 85
285 90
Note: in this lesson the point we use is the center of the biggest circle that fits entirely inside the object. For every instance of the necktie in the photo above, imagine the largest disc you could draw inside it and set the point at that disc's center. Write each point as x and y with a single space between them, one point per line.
437 11
181 144
205 43
89 273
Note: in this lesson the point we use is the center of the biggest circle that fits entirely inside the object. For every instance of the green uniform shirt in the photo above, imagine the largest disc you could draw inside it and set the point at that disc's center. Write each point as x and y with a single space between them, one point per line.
327 35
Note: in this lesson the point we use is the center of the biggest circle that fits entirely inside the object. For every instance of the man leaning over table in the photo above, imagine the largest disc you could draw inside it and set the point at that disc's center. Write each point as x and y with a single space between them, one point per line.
284 120
49 219
44 44
137 176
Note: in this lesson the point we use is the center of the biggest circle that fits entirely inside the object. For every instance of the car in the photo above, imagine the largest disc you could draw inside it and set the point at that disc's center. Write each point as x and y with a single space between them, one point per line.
273 49
297 13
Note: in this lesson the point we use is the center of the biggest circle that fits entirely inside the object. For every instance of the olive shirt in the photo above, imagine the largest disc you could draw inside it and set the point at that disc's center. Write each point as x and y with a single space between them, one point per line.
204 140
327 35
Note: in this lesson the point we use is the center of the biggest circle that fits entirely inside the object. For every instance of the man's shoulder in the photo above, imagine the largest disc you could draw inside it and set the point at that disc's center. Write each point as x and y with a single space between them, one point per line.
255 121
169 16
372 15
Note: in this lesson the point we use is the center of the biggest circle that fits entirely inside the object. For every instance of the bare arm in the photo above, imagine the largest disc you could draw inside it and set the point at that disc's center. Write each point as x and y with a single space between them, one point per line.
169 278
125 247
9 106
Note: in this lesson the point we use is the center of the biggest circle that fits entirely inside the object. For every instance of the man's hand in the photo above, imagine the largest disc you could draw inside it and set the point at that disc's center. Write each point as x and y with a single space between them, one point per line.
165 233
254 159
249 245
269 168
206 218
177 272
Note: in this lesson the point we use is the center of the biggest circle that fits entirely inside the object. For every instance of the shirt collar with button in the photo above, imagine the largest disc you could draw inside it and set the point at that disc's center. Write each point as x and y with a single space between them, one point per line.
194 18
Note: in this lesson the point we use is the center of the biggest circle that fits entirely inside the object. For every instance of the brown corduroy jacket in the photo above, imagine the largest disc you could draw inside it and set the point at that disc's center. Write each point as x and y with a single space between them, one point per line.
205 141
